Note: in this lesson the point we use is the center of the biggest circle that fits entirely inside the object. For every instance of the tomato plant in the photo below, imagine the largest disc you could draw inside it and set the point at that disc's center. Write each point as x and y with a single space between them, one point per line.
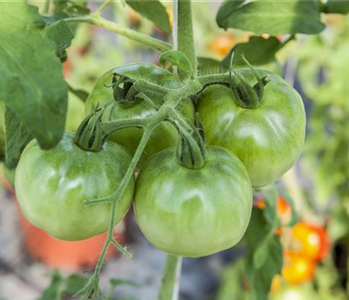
68 176
201 133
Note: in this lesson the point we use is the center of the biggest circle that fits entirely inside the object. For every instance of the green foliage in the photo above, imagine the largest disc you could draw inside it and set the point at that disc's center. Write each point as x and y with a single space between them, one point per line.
65 288
32 84
258 50
265 255
17 137
152 10
336 7
62 34
179 59
271 17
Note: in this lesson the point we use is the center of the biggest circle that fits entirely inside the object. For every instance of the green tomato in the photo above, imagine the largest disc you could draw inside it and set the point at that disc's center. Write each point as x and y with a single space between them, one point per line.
52 187
268 139
193 212
165 135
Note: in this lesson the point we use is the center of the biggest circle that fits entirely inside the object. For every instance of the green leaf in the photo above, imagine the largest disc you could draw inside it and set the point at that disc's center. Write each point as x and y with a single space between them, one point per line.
54 290
62 34
258 50
32 84
336 7
271 17
180 60
153 10
17 137
265 255
74 283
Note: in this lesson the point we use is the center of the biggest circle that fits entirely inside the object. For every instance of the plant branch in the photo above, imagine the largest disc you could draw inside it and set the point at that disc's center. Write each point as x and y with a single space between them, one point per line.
121 30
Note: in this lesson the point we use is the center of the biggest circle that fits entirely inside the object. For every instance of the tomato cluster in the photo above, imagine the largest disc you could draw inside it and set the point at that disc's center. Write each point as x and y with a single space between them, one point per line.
187 202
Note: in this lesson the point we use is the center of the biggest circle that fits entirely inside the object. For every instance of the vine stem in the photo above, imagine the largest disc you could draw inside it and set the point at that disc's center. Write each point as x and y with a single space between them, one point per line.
144 39
123 185
171 277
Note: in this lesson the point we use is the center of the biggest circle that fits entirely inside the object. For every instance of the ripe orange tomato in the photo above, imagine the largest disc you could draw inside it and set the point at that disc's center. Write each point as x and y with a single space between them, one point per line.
297 268
222 44
311 240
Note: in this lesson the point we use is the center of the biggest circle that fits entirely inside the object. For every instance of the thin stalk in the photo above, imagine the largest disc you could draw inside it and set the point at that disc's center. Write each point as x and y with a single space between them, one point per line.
185 31
102 7
171 277
124 31
46 7
123 185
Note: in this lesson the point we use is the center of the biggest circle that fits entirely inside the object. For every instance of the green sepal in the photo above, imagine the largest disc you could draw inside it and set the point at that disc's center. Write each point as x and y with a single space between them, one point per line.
124 91
90 135
246 95
191 149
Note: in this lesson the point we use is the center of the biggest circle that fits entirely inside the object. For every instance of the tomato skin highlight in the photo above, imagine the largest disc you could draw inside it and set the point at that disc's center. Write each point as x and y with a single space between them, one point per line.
52 186
193 212
268 139
165 135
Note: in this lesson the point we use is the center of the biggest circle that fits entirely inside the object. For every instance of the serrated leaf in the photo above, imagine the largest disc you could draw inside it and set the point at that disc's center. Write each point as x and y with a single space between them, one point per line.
17 137
153 10
62 34
74 283
54 289
271 17
265 255
32 83
258 50
336 7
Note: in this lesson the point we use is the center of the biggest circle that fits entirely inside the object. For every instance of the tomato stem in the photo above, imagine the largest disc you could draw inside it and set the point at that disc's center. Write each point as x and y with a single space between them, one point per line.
124 31
185 33
171 277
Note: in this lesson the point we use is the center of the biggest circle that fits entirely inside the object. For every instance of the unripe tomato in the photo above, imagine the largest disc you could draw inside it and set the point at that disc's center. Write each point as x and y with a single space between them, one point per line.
297 269
267 139
165 135
52 187
312 241
193 212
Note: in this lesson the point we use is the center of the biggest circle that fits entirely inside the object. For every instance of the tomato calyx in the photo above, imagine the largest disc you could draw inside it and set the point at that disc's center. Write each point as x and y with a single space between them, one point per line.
191 149
246 95
124 91
90 135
